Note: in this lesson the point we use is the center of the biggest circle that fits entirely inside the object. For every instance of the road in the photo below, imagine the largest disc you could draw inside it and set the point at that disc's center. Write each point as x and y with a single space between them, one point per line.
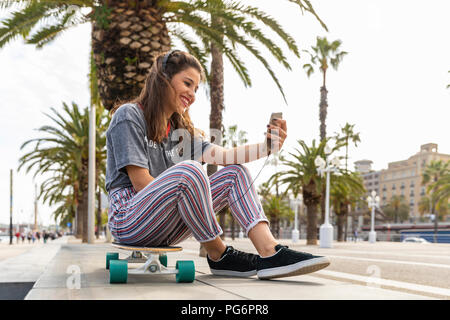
408 267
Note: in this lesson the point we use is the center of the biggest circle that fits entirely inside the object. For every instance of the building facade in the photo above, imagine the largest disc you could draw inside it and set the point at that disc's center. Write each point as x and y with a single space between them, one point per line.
402 178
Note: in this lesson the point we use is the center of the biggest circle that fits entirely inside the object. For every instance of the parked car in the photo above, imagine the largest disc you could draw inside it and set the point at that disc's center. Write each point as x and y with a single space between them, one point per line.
415 240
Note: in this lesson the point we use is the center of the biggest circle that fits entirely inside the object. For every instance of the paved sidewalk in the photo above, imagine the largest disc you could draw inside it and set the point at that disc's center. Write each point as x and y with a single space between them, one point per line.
77 271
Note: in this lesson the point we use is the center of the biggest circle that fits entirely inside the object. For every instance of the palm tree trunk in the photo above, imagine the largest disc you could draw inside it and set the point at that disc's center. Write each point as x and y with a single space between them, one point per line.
323 135
79 222
311 229
323 112
340 227
84 211
83 204
217 96
124 49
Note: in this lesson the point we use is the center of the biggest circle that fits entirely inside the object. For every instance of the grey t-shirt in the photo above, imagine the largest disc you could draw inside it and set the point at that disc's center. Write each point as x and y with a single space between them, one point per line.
127 144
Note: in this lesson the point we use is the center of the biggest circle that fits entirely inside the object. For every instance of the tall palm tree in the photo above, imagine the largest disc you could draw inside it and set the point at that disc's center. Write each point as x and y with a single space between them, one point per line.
63 153
324 54
127 35
434 172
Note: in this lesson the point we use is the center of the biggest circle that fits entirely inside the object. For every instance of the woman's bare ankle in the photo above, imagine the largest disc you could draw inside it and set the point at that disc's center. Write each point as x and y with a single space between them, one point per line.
267 251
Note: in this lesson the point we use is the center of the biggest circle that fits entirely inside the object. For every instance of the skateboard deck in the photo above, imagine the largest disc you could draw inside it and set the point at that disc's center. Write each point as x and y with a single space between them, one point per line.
155 263
146 249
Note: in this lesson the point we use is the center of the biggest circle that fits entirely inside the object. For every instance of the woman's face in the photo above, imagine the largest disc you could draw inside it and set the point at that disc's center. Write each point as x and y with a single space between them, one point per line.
185 84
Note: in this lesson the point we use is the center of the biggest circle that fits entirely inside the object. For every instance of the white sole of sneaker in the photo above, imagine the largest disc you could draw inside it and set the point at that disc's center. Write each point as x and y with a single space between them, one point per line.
296 269
231 273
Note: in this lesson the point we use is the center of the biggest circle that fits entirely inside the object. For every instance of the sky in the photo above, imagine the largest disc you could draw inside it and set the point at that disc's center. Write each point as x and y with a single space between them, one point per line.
391 86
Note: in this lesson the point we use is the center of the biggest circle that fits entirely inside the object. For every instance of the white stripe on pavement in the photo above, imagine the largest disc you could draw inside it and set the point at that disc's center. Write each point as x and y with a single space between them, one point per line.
424 264
387 253
373 281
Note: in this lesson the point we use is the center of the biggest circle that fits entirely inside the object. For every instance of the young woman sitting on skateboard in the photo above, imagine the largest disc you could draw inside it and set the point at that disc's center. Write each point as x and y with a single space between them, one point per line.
159 193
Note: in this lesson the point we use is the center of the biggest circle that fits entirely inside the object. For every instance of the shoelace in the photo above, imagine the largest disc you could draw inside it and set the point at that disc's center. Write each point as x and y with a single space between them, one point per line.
240 254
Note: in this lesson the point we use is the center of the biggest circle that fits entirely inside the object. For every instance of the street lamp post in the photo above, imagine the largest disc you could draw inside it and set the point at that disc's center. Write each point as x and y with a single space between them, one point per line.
295 201
326 167
373 201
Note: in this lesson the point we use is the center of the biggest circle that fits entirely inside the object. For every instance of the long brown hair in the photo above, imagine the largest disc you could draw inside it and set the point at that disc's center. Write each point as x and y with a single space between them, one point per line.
157 92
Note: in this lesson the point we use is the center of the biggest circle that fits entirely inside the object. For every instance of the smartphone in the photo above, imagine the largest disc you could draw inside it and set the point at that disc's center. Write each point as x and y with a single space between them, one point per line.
273 116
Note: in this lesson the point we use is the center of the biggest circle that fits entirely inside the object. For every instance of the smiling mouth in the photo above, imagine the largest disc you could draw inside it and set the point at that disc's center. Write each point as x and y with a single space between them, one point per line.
184 101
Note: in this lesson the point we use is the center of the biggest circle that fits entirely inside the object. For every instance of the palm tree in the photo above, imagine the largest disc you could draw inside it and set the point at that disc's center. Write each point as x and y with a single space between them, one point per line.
443 189
344 137
276 207
63 153
323 54
127 35
346 190
425 206
434 172
396 209
302 176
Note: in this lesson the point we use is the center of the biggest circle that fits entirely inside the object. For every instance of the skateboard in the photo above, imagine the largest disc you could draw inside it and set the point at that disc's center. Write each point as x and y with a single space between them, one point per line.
155 263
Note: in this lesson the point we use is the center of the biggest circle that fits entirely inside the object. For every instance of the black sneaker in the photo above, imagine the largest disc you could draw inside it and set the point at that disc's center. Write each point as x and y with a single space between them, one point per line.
234 263
287 262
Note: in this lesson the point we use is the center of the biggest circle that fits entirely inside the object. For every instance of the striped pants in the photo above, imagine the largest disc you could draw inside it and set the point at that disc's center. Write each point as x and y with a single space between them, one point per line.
181 202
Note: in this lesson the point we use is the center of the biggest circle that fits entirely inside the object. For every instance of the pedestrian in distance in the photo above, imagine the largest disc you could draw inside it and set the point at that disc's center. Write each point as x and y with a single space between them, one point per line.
45 235
22 235
159 193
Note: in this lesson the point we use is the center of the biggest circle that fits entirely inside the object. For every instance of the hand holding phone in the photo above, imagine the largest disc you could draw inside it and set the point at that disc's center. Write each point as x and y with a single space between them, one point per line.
273 117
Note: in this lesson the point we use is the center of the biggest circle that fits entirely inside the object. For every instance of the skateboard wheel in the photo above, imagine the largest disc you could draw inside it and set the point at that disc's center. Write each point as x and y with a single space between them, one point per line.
118 271
163 260
111 256
186 271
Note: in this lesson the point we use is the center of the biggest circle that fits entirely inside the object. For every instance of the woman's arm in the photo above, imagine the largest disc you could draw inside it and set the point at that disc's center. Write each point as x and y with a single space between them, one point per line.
218 155
140 177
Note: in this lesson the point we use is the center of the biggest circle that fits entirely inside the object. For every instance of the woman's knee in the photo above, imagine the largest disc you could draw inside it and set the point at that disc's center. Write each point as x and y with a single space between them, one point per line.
193 170
239 169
